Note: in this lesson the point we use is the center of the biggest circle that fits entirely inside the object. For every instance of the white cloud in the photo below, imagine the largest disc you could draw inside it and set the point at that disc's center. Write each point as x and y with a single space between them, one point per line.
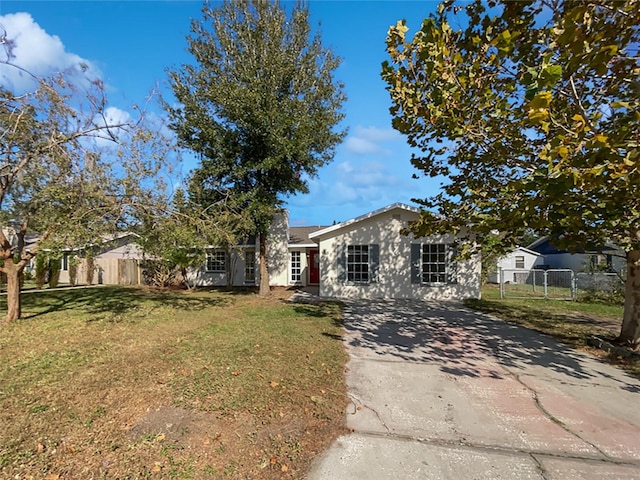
112 116
369 140
36 52
376 134
361 146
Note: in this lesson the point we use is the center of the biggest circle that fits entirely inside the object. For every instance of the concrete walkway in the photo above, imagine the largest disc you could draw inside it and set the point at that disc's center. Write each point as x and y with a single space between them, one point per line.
440 392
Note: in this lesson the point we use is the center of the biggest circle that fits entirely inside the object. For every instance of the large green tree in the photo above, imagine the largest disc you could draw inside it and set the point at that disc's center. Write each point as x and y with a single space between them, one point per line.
68 173
260 106
529 111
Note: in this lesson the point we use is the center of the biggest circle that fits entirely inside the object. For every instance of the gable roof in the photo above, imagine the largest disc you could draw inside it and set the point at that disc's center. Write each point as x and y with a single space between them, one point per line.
526 250
299 236
366 216
544 246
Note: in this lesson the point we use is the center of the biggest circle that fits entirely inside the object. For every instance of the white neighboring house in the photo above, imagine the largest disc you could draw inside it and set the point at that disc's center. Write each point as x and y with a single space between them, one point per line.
369 257
515 263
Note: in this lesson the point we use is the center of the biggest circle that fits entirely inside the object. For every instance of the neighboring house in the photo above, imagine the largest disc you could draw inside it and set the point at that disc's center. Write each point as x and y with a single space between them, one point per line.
608 258
369 257
366 257
518 261
116 262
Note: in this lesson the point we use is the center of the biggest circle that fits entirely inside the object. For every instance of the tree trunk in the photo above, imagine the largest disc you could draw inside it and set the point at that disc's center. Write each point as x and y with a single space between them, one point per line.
630 332
14 306
264 267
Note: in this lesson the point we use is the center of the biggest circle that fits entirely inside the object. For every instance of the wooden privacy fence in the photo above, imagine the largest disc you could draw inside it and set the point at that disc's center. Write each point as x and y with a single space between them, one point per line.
111 271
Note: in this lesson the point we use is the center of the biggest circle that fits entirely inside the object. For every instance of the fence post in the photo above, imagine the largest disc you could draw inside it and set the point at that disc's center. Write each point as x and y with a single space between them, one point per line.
546 282
501 280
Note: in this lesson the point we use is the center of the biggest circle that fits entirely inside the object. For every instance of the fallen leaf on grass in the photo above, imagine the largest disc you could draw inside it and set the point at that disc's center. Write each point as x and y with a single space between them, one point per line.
284 468
273 460
156 468
273 384
235 374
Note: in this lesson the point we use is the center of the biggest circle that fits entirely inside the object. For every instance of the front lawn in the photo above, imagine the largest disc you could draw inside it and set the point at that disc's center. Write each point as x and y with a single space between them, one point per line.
128 383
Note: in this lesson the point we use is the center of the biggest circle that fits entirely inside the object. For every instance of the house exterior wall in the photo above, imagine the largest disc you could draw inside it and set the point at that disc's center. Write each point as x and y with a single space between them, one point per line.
530 260
277 254
235 270
581 262
394 262
278 251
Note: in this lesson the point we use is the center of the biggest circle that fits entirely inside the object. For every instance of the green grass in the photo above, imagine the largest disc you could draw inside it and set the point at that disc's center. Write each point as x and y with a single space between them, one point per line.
255 384
571 322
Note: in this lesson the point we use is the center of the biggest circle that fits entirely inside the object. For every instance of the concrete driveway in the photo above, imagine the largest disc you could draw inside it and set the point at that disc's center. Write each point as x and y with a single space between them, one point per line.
440 392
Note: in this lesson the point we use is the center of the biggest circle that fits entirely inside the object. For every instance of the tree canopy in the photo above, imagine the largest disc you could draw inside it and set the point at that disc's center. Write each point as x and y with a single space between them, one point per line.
260 106
68 173
529 111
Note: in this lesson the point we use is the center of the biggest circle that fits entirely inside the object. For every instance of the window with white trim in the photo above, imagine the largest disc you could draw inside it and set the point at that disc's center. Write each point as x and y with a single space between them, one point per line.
433 264
358 263
250 266
519 261
216 262
296 267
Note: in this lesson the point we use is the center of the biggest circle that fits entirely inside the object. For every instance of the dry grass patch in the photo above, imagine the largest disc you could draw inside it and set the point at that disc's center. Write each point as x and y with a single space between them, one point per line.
127 383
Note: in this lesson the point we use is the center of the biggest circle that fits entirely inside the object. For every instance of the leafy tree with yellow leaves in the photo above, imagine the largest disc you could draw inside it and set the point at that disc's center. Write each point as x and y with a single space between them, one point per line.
529 111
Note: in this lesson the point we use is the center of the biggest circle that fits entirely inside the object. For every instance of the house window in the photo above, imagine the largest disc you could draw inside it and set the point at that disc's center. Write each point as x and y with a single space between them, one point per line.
358 263
519 261
432 264
216 262
250 266
296 267
64 264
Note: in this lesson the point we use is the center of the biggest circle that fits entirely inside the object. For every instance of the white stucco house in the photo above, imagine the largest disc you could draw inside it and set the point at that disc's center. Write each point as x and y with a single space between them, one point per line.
518 261
365 257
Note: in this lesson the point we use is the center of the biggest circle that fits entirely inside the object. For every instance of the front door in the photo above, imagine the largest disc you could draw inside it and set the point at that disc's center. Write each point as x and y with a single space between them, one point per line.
314 266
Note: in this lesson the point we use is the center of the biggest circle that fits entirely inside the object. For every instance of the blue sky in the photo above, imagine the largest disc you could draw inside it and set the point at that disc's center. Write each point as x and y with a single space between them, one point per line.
130 44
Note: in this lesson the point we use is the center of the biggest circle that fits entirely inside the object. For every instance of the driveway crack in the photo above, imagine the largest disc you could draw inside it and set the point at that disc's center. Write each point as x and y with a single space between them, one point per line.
358 404
547 413
540 467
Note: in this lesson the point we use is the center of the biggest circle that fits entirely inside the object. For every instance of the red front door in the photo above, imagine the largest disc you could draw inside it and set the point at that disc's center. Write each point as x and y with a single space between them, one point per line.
314 266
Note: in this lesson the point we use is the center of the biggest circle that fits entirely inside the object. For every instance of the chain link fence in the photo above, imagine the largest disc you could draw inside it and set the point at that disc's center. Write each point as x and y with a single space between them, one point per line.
602 286
556 284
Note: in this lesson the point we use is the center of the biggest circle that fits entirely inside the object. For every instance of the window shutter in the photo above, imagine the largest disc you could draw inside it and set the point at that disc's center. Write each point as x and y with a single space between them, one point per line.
374 262
452 264
342 265
416 254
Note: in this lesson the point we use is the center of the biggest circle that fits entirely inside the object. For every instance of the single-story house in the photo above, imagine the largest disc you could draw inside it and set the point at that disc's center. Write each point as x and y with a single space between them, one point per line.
515 264
365 257
608 258
116 262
